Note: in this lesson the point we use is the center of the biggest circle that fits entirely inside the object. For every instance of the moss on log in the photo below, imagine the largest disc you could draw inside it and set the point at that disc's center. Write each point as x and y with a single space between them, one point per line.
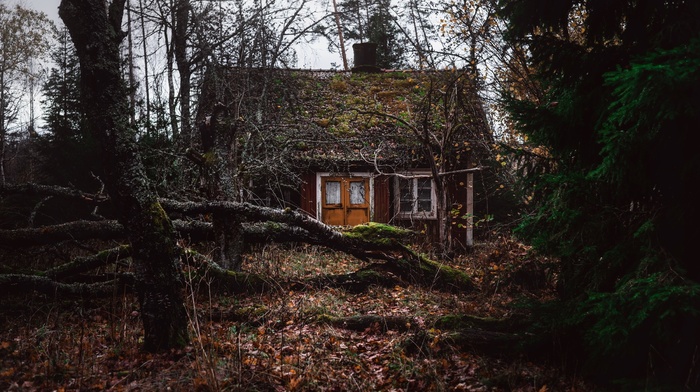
17 284
222 280
355 282
420 270
378 233
465 321
87 263
368 322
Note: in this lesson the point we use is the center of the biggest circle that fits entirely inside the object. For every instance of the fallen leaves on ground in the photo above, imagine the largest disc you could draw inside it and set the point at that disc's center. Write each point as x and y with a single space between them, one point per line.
283 342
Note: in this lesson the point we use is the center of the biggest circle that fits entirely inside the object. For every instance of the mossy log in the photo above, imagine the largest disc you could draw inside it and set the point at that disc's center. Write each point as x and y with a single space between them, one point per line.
485 341
369 322
219 279
31 189
464 321
88 263
366 242
21 284
71 231
420 270
369 242
473 339
485 334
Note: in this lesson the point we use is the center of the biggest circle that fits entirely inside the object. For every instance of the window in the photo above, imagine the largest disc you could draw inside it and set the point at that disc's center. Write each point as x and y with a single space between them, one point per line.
415 196
333 192
357 192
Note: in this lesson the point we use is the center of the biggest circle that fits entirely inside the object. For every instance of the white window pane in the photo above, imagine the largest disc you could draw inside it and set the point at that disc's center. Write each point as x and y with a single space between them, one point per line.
424 183
405 195
424 193
357 192
425 205
405 188
332 192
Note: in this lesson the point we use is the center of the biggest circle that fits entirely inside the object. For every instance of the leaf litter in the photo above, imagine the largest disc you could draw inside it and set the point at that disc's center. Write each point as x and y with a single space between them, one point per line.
286 340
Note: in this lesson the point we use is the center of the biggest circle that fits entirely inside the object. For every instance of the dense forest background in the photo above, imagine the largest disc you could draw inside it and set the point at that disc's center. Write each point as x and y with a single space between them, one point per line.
590 107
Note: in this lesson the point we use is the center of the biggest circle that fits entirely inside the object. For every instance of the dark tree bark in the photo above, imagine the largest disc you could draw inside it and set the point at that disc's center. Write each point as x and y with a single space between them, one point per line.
95 28
218 146
11 283
181 19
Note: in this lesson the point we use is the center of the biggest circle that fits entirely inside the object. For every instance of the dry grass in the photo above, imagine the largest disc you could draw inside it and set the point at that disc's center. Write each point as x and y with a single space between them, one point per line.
282 343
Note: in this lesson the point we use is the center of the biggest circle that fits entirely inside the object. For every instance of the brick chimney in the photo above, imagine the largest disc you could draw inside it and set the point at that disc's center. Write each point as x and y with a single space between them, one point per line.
365 57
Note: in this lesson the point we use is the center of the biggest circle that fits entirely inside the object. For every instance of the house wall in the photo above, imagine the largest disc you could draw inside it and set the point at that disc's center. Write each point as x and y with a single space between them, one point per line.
381 204
383 209
308 193
382 199
460 205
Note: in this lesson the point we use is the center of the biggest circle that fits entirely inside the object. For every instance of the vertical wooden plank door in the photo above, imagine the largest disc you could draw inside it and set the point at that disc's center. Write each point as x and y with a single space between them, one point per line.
344 200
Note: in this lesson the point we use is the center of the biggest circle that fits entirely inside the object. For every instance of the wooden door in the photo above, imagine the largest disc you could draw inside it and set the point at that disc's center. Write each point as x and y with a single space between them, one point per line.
344 200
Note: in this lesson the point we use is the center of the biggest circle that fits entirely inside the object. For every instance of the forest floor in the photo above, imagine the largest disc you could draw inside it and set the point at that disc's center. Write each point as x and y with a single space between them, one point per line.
282 340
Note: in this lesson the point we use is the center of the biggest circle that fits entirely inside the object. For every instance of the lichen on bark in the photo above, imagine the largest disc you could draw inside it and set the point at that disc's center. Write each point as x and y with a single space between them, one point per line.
97 35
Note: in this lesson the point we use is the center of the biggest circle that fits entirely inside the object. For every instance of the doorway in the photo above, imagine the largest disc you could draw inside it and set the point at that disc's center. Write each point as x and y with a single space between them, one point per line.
345 200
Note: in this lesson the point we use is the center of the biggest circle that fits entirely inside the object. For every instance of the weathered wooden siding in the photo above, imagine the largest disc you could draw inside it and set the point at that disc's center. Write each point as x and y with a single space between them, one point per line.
457 206
384 208
308 193
457 189
382 199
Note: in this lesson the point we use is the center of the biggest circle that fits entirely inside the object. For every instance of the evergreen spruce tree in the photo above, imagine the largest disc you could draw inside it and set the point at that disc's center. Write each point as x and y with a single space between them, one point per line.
382 30
372 21
623 85
68 151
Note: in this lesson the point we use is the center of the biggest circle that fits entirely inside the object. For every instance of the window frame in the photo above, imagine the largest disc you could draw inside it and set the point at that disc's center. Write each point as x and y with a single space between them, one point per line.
414 176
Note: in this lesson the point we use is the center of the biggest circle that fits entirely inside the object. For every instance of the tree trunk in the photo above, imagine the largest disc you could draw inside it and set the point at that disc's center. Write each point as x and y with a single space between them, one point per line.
181 19
3 132
218 144
340 36
96 33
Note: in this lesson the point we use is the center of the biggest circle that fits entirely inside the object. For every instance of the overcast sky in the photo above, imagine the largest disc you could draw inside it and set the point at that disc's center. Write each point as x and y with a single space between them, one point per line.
49 7
316 57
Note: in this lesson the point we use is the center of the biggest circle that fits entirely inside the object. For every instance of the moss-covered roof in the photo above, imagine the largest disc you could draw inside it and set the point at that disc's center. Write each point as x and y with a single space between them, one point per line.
337 116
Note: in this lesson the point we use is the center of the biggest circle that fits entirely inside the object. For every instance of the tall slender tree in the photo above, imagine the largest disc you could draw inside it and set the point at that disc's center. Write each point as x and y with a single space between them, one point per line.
96 32
24 36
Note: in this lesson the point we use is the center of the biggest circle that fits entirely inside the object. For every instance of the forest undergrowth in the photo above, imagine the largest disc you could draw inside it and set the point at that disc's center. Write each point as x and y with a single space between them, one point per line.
302 339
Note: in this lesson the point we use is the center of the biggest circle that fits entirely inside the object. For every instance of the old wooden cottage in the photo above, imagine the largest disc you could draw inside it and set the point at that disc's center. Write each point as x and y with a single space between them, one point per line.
366 145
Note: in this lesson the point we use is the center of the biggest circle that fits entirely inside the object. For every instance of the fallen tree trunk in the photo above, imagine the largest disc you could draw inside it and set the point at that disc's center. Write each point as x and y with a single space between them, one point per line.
428 273
369 242
370 322
21 284
397 259
71 231
31 189
355 282
88 263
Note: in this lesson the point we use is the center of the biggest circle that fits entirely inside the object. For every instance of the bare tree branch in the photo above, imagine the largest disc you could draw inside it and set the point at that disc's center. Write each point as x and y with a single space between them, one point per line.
31 189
